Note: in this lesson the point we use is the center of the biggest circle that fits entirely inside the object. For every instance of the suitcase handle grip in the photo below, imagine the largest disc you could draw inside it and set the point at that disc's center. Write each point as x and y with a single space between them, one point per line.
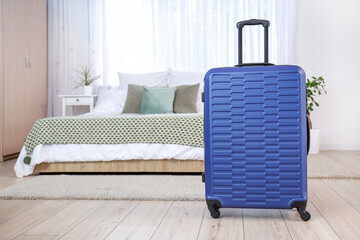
266 25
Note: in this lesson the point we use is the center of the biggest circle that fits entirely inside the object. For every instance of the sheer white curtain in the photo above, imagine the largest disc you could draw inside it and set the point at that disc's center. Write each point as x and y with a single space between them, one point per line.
144 35
69 48
149 35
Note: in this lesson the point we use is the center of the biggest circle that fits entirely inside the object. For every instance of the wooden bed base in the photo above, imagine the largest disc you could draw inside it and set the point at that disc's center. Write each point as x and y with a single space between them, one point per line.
122 166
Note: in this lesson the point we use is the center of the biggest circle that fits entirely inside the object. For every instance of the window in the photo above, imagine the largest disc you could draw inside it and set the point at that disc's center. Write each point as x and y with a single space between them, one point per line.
149 35
195 35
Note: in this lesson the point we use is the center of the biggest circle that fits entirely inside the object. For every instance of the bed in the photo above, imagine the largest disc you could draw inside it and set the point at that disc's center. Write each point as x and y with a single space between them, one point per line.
114 143
107 140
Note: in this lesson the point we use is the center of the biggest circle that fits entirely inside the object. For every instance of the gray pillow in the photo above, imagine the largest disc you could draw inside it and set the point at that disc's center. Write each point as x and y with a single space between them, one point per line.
185 98
133 99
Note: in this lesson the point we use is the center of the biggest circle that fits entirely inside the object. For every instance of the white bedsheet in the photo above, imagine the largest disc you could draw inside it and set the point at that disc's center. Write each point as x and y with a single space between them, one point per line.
103 152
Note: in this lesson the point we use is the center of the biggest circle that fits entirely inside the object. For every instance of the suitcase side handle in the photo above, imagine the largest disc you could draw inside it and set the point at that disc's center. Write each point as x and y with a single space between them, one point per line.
308 134
266 25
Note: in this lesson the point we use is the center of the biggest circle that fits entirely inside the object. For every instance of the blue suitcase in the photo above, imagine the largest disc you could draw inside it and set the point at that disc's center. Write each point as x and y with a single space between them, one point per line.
256 135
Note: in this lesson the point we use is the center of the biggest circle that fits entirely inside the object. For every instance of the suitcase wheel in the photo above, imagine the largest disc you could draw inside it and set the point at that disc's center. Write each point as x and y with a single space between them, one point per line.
215 213
304 215
214 206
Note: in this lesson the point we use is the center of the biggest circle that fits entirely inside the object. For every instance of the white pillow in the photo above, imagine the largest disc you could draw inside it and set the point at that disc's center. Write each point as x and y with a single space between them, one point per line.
152 79
177 78
110 102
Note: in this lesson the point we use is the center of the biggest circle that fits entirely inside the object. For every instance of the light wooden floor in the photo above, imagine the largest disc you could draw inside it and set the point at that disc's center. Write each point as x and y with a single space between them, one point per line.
334 206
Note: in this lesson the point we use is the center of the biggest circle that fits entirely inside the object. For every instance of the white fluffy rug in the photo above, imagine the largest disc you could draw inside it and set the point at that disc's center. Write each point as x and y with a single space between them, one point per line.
109 187
150 187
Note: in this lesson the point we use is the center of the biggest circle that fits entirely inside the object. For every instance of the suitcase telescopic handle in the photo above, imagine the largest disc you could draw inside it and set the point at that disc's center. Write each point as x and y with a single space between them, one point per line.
266 25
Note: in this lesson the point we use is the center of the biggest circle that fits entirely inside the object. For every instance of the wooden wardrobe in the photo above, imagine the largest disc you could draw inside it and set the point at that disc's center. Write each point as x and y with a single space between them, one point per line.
23 74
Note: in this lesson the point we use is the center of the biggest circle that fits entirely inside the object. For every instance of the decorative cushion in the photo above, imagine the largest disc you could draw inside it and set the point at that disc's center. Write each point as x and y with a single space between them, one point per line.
157 100
186 98
133 99
152 79
177 78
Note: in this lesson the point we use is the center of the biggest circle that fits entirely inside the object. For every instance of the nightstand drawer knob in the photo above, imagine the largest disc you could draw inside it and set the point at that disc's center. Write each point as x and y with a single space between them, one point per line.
77 99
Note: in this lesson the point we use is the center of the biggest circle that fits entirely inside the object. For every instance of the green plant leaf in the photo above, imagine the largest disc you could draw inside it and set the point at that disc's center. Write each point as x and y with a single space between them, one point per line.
314 86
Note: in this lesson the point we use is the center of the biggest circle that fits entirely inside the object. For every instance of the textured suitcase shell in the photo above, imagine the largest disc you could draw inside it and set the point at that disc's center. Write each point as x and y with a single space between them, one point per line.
255 137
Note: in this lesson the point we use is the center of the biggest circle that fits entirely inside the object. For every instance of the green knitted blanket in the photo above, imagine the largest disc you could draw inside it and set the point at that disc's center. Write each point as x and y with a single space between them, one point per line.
182 129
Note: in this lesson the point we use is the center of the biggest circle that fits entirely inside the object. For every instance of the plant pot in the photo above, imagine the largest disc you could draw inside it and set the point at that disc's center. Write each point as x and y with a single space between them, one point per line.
88 90
314 141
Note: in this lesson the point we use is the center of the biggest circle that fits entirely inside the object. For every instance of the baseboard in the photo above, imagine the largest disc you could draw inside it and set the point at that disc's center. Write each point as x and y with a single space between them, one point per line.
340 146
11 156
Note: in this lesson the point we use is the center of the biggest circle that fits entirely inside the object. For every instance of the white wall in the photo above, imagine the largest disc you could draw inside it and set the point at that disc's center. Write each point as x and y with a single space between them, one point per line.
328 45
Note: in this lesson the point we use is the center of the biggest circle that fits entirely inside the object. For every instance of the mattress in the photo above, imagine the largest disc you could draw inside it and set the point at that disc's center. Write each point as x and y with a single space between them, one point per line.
104 152
112 137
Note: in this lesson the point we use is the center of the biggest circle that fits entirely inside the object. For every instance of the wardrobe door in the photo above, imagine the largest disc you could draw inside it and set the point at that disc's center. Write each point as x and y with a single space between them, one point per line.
37 51
15 87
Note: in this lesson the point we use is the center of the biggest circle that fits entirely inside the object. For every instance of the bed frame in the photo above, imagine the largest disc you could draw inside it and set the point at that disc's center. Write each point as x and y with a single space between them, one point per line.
123 166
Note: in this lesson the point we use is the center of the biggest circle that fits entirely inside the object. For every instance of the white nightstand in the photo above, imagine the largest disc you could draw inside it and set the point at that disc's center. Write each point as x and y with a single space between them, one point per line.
76 100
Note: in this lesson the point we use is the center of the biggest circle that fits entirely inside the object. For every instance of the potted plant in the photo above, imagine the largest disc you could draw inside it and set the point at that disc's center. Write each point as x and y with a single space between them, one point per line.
315 86
86 78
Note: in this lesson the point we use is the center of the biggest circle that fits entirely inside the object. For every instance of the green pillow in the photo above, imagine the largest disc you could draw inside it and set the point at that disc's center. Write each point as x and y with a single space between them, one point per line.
186 97
133 99
157 100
